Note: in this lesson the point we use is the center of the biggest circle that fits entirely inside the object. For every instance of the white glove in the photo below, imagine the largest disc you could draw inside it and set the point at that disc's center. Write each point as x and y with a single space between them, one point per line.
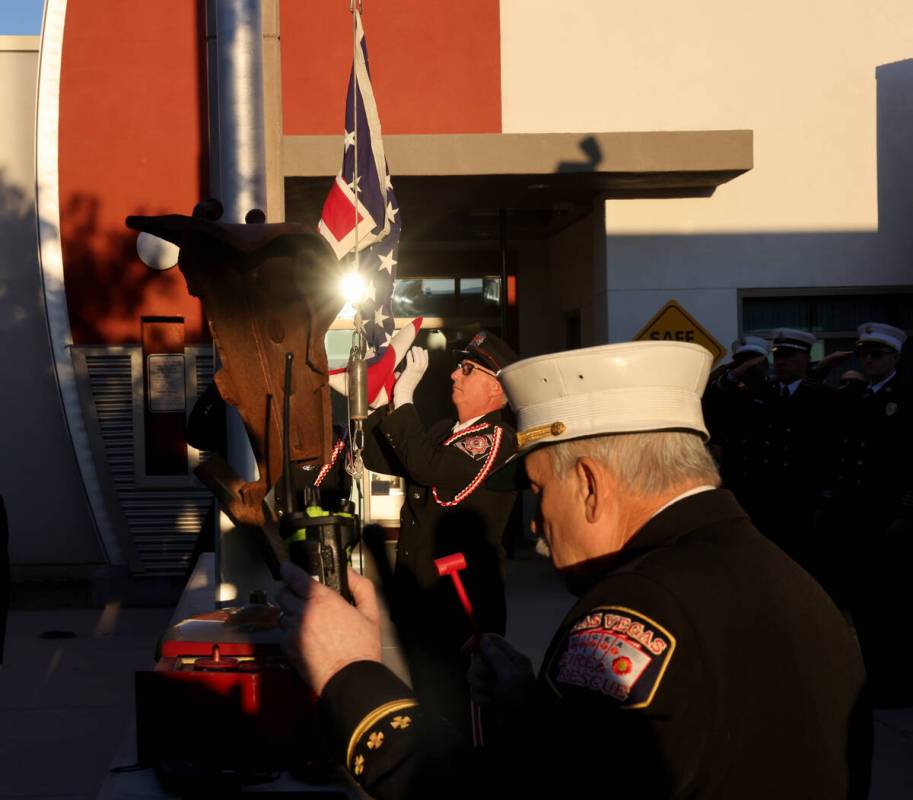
404 388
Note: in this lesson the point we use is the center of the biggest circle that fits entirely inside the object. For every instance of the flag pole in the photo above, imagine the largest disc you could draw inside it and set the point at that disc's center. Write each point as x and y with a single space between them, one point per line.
356 372
355 7
354 11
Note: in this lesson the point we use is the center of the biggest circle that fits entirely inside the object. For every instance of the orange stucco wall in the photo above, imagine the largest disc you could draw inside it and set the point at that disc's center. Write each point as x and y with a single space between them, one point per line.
435 66
133 123
132 141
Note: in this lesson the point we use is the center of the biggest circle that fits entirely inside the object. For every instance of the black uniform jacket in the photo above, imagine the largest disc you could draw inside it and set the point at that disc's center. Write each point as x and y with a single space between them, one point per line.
447 510
773 446
871 464
701 662
869 521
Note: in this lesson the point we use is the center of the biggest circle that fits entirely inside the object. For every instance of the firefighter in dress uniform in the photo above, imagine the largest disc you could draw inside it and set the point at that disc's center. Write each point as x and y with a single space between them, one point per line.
775 460
868 509
731 391
447 509
700 661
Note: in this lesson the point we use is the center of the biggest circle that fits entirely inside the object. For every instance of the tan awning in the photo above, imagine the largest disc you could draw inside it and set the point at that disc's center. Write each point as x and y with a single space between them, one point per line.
450 186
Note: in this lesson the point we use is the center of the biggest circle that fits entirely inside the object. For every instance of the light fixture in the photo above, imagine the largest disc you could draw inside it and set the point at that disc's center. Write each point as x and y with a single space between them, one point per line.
436 340
156 253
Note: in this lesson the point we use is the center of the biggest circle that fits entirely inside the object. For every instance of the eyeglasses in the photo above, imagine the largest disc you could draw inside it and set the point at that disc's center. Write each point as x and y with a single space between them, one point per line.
466 367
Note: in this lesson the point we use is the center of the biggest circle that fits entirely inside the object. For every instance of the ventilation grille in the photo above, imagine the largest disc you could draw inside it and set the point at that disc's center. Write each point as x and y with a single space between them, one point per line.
162 523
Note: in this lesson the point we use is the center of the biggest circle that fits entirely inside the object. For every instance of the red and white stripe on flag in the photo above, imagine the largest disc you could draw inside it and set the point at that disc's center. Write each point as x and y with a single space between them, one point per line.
337 220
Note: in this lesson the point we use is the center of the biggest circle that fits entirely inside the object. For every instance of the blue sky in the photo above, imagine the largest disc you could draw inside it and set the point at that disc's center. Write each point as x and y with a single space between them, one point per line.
20 17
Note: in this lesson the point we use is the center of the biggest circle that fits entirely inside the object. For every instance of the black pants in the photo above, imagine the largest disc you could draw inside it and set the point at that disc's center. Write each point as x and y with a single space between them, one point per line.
439 681
432 628
881 604
5 577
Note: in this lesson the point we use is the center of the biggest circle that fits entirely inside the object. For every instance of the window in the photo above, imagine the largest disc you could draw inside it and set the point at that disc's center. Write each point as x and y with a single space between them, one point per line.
828 315
413 297
833 316
480 297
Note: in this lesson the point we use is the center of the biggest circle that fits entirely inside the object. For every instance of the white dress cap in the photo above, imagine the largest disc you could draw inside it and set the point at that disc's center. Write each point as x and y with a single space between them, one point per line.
751 344
880 333
615 388
793 339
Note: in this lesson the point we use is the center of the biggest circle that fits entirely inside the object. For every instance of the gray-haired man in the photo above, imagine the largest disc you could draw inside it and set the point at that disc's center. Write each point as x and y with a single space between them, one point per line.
700 661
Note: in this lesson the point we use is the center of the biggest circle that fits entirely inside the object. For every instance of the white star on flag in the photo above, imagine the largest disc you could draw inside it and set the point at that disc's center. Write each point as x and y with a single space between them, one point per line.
388 182
370 292
379 317
355 183
387 337
391 212
387 262
349 139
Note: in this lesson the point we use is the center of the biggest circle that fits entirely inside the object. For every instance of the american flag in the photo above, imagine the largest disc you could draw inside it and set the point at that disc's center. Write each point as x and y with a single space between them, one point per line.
378 229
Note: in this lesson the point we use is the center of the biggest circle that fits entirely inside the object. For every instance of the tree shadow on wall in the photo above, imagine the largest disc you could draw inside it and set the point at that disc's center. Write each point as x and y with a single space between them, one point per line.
105 282
108 288
17 234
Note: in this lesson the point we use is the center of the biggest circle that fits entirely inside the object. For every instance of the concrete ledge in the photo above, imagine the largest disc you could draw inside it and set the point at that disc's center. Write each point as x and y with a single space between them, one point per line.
46 586
536 154
65 572
20 44
450 187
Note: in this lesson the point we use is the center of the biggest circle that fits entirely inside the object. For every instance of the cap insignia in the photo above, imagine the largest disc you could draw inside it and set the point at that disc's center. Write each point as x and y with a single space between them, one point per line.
539 432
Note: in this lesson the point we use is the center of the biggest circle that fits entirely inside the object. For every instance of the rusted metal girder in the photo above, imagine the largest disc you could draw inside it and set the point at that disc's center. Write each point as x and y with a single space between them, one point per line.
266 290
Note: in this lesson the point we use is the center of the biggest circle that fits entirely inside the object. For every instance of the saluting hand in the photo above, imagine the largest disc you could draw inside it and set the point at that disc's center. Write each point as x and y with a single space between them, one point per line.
323 632
404 388
833 359
745 367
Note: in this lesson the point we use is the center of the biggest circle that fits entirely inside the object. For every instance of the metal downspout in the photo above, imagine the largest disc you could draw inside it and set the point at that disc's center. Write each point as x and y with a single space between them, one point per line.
235 47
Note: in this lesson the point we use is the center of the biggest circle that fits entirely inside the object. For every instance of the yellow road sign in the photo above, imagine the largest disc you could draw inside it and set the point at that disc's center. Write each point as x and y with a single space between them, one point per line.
673 323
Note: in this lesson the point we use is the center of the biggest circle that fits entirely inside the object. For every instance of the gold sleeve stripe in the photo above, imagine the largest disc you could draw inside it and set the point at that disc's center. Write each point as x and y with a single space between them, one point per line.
371 720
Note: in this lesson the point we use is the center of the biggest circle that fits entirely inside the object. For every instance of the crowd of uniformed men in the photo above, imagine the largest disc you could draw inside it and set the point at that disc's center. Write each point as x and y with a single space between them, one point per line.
823 472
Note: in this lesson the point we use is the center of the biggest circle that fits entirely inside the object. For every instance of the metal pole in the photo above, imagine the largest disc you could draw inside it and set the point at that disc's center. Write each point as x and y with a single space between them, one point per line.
237 131
502 294
239 126
237 136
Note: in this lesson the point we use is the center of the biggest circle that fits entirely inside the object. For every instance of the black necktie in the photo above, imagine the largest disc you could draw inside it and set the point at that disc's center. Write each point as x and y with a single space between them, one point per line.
784 392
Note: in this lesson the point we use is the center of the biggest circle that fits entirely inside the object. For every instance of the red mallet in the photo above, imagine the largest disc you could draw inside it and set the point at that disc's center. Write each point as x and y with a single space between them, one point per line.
452 565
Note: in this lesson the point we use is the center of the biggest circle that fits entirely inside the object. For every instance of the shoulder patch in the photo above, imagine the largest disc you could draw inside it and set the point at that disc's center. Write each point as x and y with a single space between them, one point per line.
476 445
616 652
